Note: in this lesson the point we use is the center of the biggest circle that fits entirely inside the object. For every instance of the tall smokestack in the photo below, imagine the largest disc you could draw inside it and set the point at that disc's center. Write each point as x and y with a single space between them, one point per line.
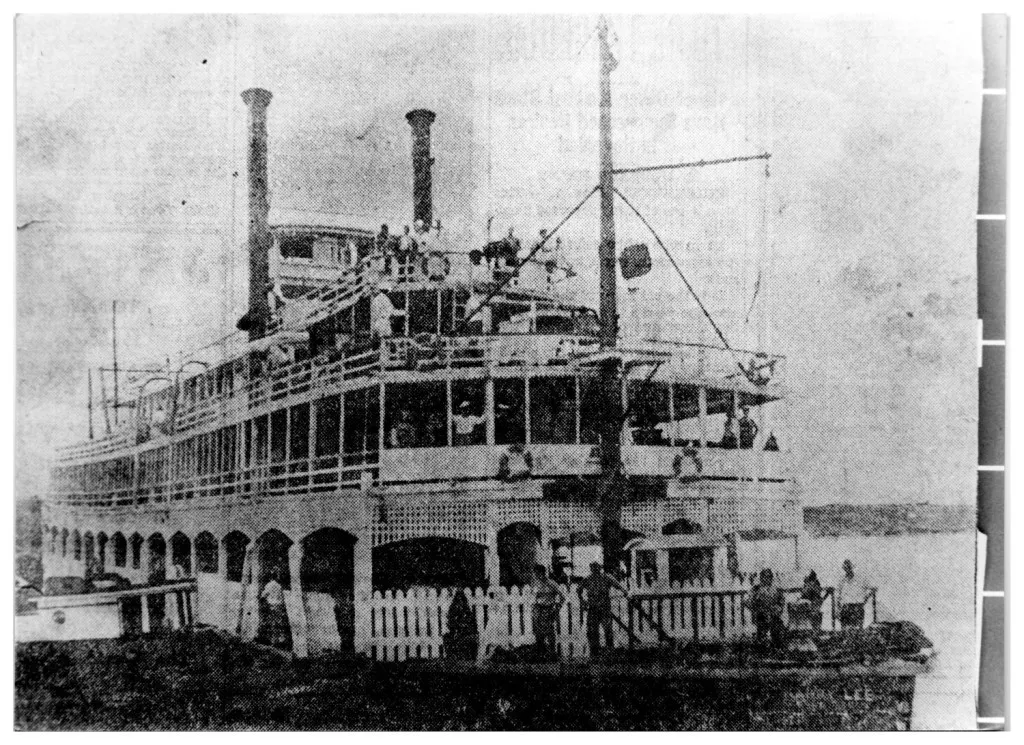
258 99
423 201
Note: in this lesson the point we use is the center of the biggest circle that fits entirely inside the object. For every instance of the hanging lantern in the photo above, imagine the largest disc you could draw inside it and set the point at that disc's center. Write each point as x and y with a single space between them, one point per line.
635 261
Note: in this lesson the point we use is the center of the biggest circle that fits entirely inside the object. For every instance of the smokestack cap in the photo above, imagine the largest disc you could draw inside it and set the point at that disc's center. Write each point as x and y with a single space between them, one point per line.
257 97
420 115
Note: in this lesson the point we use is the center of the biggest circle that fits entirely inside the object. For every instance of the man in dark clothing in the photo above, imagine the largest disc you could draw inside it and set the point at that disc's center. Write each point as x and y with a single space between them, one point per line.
748 430
547 600
766 600
598 602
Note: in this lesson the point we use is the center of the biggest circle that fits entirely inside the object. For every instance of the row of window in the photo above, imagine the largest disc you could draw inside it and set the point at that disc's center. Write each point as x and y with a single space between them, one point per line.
336 429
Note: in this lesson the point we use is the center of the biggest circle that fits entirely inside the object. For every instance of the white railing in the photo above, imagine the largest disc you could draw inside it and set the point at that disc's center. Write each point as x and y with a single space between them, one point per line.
413 625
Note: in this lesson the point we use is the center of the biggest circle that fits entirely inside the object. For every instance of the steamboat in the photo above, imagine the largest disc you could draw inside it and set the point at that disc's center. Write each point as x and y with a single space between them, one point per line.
408 420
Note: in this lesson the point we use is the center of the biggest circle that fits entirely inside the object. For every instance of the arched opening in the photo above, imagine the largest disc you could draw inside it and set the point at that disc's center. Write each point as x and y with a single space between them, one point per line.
120 550
207 555
181 555
518 552
64 542
327 562
428 562
91 564
53 540
682 526
157 573
235 545
137 541
76 543
270 559
327 567
101 552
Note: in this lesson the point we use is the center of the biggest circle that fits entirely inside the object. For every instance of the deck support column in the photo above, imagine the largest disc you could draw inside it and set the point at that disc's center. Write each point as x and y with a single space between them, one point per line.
492 569
296 604
145 613
362 574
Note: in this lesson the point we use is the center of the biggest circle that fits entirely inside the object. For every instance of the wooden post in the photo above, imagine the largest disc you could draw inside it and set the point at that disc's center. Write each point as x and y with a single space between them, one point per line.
144 602
297 605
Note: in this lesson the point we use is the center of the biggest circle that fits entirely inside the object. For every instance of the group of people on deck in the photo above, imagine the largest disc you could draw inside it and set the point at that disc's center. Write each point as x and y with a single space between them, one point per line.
408 242
767 601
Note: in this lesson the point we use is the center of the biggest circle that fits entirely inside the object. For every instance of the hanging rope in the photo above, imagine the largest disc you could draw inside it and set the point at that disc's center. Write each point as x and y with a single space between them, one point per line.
515 271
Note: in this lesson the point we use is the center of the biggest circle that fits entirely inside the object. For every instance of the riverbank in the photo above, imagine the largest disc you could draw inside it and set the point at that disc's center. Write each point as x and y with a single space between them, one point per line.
205 681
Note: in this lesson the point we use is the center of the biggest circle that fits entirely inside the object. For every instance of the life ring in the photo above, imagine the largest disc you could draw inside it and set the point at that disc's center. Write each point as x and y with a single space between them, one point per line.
438 266
677 464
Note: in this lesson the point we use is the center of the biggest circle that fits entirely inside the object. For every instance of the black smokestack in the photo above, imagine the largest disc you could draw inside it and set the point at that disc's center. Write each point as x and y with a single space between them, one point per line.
423 201
258 100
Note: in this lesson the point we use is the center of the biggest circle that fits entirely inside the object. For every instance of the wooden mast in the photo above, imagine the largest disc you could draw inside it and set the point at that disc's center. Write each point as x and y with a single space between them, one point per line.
611 368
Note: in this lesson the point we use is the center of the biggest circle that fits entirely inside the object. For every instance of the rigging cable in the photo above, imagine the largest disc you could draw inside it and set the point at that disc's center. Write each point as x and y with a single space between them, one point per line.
515 272
679 271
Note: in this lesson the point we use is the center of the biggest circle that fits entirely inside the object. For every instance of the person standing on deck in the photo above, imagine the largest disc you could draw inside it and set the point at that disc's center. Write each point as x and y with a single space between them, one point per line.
729 432
466 426
765 603
381 312
851 596
276 623
547 600
598 602
748 430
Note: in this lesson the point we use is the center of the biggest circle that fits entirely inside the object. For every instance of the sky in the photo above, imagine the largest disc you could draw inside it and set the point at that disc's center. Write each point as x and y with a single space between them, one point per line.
853 254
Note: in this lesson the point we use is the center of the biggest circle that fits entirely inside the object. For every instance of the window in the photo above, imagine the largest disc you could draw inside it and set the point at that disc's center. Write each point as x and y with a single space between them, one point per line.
422 312
327 439
469 412
120 550
328 421
235 544
298 439
553 410
509 411
297 246
76 539
447 310
278 435
136 551
685 428
647 404
259 443
361 419
591 405
207 555
721 425
416 415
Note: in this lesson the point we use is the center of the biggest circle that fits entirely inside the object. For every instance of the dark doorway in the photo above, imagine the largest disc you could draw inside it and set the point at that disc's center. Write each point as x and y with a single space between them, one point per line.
518 553
328 567
157 573
428 562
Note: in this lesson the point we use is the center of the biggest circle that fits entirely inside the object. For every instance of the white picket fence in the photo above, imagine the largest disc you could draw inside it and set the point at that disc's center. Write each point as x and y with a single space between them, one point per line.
396 625
411 625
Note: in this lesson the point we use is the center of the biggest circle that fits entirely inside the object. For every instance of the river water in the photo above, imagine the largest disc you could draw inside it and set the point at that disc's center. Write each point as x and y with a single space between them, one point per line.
927 579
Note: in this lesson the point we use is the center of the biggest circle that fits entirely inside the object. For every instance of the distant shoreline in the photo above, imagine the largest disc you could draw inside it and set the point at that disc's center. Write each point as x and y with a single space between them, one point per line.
834 520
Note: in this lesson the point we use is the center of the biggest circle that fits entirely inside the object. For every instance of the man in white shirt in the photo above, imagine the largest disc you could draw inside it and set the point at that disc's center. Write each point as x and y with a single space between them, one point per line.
381 312
851 596
466 426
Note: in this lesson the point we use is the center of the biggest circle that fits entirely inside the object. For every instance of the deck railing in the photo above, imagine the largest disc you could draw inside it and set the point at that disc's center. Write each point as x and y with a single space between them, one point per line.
413 624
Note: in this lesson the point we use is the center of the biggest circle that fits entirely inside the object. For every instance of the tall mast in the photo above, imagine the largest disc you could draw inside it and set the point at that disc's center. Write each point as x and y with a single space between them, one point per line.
611 368
91 434
113 322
